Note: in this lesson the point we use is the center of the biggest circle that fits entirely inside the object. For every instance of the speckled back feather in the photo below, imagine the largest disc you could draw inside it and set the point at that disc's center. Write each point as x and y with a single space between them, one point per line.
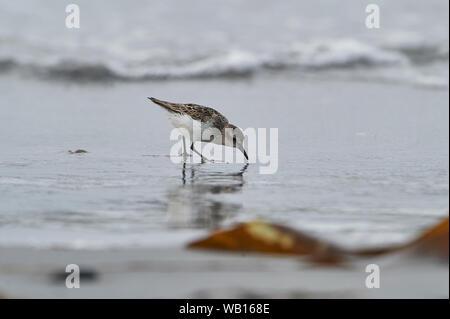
200 113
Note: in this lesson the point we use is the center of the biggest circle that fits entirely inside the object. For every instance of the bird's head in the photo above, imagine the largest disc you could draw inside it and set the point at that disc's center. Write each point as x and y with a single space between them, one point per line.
235 138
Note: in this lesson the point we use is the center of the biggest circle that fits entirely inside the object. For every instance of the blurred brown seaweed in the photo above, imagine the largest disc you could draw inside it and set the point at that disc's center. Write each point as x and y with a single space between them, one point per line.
264 237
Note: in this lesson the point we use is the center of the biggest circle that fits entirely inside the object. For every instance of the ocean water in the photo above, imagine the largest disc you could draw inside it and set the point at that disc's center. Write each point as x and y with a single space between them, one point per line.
362 117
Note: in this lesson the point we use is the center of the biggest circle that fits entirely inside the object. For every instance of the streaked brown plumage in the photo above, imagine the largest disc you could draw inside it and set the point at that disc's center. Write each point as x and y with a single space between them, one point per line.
200 113
208 117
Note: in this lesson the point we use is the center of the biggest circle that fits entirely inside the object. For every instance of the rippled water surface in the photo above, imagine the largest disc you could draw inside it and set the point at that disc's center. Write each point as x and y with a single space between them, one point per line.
362 119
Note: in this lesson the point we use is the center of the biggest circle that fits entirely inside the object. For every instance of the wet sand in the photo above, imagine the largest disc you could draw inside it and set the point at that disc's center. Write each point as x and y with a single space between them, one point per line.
371 169
175 272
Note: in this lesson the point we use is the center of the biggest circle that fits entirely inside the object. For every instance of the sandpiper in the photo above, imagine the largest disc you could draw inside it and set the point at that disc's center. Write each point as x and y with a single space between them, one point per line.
187 116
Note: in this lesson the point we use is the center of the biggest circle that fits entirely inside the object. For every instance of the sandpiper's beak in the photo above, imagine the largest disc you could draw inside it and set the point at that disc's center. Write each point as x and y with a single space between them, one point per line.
245 155
242 149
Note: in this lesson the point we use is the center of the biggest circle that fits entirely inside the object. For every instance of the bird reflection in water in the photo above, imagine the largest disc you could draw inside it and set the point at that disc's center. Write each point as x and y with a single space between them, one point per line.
201 201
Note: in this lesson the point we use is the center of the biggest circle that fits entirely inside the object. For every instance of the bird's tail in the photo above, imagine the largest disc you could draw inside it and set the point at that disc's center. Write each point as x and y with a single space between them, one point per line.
171 107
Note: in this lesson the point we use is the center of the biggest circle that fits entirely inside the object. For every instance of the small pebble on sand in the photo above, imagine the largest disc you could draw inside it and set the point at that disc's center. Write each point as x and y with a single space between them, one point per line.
77 152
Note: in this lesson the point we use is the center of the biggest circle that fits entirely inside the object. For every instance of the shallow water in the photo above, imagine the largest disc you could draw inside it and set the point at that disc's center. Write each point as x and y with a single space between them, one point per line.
362 117
363 164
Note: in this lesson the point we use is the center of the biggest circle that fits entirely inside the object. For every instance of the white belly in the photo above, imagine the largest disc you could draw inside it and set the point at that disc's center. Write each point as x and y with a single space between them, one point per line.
184 122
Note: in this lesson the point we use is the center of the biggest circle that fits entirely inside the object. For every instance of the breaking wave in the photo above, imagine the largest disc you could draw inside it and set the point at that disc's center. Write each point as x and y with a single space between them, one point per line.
388 62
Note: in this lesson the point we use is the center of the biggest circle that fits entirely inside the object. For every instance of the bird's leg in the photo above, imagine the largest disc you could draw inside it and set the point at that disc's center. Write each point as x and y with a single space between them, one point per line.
198 153
185 152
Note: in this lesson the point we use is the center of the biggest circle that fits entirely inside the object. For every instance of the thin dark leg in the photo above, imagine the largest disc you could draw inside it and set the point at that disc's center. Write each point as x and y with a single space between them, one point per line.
194 150
185 152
